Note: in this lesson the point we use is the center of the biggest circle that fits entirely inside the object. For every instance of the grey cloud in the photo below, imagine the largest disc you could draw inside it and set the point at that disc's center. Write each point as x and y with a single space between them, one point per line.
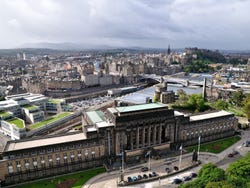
154 23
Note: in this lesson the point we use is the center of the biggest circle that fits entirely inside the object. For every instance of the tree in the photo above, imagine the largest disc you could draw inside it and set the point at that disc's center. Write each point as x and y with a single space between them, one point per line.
237 98
246 106
182 97
238 173
197 103
211 173
221 105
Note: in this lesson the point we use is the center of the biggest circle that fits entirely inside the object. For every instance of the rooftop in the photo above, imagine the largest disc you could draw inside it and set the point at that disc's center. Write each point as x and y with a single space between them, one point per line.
5 114
27 144
209 115
95 116
50 120
17 122
103 124
140 107
31 107
56 101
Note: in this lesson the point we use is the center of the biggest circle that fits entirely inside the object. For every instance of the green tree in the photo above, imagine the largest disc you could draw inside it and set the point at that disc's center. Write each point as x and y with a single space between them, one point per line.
182 97
197 103
211 173
246 106
238 173
237 98
221 105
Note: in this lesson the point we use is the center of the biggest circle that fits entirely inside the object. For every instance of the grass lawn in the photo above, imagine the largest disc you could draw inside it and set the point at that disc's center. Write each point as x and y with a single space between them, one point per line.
55 101
31 107
4 114
80 178
216 146
16 121
50 120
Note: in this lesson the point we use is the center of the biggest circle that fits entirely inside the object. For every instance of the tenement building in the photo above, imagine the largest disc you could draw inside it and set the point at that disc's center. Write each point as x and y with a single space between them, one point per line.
133 130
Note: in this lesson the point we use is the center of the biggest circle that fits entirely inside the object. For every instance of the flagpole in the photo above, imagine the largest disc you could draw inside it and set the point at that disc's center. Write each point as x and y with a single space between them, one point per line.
180 158
149 164
199 145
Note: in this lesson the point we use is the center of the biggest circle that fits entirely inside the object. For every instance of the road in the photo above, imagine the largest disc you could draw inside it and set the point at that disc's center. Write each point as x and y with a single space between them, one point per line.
109 180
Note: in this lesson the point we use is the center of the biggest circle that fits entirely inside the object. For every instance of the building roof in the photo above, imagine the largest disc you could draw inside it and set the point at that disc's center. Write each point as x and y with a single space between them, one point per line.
27 144
103 124
140 107
210 115
19 123
95 116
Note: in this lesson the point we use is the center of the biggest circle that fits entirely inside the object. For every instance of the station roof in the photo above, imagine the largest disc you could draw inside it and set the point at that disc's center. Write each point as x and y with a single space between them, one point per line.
209 115
28 144
140 107
95 116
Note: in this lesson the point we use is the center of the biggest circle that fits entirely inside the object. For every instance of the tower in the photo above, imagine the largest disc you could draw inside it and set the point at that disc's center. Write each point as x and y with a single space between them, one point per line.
204 94
169 50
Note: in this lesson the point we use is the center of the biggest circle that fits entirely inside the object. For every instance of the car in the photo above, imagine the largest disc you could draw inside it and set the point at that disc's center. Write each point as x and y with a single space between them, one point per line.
130 179
176 168
230 155
193 175
150 175
139 177
167 170
177 181
145 176
187 178
235 152
154 174
144 169
134 178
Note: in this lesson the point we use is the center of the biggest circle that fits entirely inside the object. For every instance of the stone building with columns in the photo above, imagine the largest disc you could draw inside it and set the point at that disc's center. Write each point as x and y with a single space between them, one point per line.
133 130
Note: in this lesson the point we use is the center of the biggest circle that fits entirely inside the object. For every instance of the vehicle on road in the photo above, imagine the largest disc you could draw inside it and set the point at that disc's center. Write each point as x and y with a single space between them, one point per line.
145 176
193 175
176 168
154 174
139 177
233 153
176 181
130 179
134 178
187 178
167 170
247 143
144 169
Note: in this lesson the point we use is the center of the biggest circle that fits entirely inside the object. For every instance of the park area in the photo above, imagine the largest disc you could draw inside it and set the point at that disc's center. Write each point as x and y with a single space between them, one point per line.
216 146
75 180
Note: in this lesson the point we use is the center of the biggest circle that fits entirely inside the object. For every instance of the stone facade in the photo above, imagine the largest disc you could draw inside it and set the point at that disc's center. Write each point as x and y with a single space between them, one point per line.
133 130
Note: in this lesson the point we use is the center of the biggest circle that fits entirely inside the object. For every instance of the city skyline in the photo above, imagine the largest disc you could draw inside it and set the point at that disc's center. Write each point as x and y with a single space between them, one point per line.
151 24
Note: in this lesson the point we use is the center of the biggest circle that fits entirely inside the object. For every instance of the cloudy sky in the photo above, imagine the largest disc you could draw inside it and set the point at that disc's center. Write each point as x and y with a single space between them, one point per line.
214 24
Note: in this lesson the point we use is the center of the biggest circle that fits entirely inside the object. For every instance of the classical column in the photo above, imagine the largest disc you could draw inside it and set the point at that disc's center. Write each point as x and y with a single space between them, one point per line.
137 137
117 140
159 134
149 133
143 136
131 140
154 135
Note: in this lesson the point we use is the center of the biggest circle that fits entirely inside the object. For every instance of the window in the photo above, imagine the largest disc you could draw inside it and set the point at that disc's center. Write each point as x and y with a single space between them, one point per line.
93 155
86 155
10 168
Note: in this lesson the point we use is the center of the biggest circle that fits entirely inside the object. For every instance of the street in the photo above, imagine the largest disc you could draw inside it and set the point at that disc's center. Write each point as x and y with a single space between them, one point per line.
109 180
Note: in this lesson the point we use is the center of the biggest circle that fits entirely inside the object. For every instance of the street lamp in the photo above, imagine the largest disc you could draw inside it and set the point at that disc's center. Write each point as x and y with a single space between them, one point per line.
199 145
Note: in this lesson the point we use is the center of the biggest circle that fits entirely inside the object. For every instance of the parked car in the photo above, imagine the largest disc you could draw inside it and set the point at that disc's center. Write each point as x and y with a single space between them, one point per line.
139 177
177 181
154 174
144 169
130 179
247 143
187 178
134 178
176 168
167 170
233 153
145 176
193 175
150 175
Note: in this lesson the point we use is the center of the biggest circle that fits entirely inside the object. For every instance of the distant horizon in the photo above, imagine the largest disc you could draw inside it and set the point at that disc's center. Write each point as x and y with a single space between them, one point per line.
77 47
